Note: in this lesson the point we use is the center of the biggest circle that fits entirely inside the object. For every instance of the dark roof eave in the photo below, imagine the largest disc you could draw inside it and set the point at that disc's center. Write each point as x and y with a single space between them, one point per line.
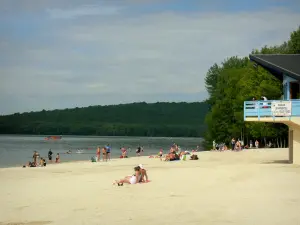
277 71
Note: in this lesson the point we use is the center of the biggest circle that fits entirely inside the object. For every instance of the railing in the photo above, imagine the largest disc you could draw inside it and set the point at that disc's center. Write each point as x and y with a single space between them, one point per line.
272 108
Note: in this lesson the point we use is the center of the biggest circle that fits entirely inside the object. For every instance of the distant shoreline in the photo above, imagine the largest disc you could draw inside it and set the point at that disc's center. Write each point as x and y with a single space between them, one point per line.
113 159
82 135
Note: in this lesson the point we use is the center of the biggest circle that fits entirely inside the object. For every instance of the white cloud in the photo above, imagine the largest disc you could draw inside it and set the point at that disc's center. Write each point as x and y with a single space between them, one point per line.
127 58
85 10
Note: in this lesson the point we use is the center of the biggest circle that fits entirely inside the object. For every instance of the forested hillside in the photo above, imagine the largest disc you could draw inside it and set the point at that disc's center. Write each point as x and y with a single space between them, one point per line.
237 80
136 119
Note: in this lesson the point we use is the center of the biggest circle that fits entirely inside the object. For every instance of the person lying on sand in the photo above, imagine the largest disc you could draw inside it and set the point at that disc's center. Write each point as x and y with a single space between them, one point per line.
29 164
134 179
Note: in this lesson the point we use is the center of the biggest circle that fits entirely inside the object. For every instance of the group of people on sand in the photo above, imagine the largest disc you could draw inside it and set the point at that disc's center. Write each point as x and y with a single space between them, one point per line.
139 150
39 161
175 153
140 176
105 153
235 145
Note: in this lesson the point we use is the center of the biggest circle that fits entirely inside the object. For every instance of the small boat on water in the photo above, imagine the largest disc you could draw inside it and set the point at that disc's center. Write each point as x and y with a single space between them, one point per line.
53 138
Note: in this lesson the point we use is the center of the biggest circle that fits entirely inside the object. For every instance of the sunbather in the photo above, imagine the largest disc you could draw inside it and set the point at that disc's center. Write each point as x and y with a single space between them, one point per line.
130 179
143 174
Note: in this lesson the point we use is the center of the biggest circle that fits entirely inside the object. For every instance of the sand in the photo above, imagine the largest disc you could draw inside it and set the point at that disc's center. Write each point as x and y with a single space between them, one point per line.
251 187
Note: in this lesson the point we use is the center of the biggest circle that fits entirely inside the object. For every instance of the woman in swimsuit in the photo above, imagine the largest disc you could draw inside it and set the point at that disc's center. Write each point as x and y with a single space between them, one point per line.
98 153
104 154
134 179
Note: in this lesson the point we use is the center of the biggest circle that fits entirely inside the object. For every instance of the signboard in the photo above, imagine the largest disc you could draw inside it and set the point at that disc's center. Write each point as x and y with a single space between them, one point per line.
281 108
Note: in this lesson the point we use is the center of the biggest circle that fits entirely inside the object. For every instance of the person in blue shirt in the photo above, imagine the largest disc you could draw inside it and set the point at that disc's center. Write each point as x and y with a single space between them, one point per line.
108 149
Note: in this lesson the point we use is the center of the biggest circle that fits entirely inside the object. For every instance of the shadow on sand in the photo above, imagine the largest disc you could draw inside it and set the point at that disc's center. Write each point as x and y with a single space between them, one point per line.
277 162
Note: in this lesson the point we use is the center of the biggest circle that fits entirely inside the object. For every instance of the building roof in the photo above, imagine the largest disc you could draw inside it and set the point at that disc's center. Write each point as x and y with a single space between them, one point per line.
279 64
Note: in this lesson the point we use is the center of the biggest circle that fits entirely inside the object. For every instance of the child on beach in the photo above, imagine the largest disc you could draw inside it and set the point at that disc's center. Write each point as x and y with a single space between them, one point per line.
123 153
160 154
57 159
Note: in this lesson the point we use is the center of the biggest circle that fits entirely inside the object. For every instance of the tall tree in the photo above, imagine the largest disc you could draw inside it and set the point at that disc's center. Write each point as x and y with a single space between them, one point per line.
294 42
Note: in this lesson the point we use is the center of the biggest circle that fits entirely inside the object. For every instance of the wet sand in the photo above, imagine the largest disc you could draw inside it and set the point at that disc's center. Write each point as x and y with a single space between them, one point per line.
251 187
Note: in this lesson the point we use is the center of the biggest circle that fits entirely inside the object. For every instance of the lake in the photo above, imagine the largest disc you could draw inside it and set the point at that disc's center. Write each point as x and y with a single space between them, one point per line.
16 150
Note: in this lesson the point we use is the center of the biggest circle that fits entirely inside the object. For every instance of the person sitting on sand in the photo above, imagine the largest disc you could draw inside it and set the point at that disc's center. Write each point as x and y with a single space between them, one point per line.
43 162
134 179
143 174
238 146
194 157
172 156
124 153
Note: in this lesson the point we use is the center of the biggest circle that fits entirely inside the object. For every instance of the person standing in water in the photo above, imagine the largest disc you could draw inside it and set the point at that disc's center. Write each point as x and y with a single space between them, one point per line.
138 151
104 152
98 153
160 154
108 149
50 155
57 159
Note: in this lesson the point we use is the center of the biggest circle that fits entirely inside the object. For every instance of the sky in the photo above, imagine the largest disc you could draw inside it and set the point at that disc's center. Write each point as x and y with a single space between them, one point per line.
57 54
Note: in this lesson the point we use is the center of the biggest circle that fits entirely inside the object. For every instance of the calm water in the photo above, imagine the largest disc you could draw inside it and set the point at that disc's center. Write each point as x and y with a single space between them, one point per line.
17 150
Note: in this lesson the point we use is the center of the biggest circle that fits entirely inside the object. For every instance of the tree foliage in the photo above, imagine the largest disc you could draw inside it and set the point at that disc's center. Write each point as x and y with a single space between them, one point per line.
136 119
237 80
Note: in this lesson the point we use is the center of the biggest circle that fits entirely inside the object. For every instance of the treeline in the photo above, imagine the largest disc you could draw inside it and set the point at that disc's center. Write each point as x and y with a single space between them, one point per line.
136 119
237 80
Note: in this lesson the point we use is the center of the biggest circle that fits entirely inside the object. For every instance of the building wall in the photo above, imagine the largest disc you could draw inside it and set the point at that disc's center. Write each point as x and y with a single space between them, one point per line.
296 145
286 86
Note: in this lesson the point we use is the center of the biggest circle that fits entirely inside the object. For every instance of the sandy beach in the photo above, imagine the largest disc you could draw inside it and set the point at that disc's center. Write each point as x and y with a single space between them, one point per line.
250 187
